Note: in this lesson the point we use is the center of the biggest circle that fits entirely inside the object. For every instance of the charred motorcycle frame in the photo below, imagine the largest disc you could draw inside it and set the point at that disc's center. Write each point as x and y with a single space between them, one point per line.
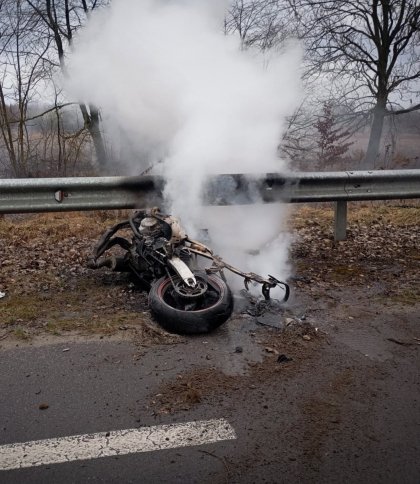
184 297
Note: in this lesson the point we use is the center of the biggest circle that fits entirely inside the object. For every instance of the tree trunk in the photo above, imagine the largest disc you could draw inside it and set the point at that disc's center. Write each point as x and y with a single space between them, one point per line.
91 118
92 124
375 134
98 143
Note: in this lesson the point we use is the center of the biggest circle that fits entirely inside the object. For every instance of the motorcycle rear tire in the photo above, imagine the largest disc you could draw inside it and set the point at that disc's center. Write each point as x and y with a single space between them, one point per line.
214 311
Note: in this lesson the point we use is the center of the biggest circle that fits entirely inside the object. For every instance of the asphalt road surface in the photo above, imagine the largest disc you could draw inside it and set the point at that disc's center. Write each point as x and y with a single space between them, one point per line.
341 404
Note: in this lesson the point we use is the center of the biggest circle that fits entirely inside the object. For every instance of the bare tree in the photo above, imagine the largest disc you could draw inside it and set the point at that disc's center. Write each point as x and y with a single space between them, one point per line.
63 18
372 48
60 146
36 137
22 71
259 23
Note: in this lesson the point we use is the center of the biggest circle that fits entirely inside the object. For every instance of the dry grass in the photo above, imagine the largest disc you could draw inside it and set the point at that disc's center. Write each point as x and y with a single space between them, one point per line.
57 226
56 315
409 296
394 213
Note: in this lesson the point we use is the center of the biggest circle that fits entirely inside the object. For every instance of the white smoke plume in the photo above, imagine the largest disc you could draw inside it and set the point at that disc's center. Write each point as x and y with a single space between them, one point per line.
186 98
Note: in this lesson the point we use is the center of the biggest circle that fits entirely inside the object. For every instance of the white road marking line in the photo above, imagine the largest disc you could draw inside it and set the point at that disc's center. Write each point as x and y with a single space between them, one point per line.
119 442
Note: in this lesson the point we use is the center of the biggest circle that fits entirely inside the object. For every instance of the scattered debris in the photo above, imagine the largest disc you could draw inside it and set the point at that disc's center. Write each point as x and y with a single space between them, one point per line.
187 389
259 307
402 343
270 319
66 349
268 349
283 359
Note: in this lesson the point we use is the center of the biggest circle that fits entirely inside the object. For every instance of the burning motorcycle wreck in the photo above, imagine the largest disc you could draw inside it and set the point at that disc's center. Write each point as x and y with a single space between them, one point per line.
185 296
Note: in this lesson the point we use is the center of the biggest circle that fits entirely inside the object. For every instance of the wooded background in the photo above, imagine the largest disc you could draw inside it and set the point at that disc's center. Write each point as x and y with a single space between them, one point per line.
364 54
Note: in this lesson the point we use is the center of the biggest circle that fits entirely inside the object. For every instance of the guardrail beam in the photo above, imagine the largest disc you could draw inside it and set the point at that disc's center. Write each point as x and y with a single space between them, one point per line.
66 194
100 193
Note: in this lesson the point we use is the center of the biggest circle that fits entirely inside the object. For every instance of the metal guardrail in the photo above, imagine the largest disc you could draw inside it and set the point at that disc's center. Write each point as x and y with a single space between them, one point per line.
67 194
97 193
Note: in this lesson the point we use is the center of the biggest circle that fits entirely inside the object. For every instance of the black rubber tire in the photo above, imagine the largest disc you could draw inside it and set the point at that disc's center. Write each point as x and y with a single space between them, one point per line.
183 321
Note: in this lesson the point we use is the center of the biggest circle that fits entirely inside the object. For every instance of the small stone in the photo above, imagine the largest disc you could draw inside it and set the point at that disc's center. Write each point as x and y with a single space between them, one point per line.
239 349
268 349
306 337
43 406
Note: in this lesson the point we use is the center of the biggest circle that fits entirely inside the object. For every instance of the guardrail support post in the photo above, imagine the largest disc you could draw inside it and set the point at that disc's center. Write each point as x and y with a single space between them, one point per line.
340 220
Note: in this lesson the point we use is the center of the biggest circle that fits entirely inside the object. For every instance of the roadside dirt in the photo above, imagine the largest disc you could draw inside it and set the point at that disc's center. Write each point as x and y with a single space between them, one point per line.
281 352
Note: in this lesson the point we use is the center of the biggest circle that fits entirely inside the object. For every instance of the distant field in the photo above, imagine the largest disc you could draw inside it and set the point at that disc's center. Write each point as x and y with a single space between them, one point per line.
403 151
